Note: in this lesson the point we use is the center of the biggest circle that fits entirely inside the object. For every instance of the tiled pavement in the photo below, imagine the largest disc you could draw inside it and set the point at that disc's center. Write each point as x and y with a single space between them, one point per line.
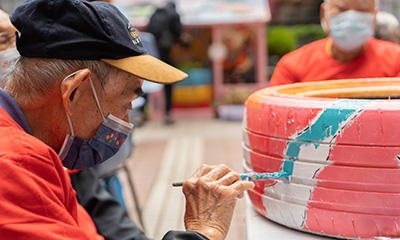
164 154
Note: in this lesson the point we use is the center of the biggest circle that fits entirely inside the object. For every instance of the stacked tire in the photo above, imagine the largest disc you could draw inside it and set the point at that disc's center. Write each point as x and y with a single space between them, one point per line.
340 142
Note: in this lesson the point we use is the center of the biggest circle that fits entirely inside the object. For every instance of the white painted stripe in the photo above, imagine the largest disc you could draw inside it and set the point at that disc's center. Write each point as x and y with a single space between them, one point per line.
288 214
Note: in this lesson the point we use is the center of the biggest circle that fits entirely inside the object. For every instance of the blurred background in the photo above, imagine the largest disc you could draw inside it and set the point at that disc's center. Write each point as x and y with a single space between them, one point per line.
229 48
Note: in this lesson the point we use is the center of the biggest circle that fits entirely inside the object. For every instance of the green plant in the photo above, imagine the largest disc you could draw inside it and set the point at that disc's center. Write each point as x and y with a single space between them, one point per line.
281 40
307 33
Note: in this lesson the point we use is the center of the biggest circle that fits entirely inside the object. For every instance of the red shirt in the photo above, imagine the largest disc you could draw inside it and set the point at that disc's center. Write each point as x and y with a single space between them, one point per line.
312 63
37 200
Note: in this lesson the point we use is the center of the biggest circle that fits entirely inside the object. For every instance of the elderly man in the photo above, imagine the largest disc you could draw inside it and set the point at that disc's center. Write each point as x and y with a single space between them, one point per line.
65 104
350 51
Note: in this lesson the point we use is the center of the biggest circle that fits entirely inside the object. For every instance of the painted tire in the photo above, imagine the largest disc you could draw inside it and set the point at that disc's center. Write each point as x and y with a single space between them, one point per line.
339 140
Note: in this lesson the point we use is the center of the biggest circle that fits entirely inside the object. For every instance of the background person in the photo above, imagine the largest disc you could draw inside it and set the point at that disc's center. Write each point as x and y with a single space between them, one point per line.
165 25
387 27
69 93
350 51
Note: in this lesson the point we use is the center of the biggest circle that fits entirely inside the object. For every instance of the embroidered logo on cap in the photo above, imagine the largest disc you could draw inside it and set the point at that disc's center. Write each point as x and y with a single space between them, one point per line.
134 34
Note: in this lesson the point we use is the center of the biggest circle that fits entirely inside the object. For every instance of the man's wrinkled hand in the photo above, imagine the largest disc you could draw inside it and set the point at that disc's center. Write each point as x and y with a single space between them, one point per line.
211 196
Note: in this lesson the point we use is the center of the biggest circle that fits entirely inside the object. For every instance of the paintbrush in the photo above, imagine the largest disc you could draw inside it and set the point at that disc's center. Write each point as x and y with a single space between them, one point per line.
253 176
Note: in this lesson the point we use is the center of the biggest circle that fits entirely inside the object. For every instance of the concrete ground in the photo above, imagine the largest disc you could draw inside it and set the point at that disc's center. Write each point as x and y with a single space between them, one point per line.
166 153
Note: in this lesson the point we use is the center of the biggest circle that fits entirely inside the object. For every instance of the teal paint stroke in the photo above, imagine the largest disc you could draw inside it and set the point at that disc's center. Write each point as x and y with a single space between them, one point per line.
254 176
324 128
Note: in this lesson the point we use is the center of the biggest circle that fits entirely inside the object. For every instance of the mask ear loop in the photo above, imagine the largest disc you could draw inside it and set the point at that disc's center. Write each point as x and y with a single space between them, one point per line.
69 137
68 118
96 98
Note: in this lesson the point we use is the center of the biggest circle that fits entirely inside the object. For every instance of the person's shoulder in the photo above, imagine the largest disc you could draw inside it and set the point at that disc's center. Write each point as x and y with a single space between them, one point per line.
384 46
18 146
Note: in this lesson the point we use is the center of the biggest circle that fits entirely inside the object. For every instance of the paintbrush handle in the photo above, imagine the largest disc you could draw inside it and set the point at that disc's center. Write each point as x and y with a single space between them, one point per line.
252 177
177 184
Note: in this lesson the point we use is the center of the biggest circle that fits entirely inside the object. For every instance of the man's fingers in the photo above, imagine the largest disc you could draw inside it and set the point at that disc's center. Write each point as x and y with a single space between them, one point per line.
241 186
217 173
229 178
207 174
190 184
202 170
220 175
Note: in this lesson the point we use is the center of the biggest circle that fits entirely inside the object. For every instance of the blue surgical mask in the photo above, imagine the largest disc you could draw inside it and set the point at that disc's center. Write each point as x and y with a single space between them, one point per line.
350 30
77 153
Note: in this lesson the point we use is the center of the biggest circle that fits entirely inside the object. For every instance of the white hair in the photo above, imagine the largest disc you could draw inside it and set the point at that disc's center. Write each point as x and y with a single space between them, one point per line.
32 78
387 24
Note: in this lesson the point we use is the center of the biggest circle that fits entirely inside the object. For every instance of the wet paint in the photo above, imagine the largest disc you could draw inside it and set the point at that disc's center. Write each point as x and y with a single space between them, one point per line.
342 158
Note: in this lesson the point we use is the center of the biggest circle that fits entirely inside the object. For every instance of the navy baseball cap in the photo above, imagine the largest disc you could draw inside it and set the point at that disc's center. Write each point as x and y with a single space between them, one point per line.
81 30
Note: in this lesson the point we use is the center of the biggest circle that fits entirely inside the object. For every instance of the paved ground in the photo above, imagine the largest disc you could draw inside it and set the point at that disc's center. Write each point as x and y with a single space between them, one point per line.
164 154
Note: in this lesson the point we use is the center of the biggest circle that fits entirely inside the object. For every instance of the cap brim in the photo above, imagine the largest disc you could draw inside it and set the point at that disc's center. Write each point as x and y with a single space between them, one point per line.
148 68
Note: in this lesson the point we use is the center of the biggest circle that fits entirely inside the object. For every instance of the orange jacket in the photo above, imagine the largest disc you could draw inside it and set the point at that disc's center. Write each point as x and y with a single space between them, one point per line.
37 200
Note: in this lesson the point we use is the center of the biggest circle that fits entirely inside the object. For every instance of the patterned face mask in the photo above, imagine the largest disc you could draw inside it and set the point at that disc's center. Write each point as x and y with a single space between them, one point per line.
77 153
350 30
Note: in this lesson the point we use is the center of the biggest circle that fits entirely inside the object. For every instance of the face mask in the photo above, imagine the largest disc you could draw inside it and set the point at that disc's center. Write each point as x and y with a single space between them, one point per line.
78 153
350 30
7 59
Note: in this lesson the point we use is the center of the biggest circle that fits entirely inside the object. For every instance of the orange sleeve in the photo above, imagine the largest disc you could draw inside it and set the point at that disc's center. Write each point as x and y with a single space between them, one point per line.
37 199
282 73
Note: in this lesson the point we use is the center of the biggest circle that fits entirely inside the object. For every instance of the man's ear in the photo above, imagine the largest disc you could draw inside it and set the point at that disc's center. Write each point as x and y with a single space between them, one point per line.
375 24
70 85
324 18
